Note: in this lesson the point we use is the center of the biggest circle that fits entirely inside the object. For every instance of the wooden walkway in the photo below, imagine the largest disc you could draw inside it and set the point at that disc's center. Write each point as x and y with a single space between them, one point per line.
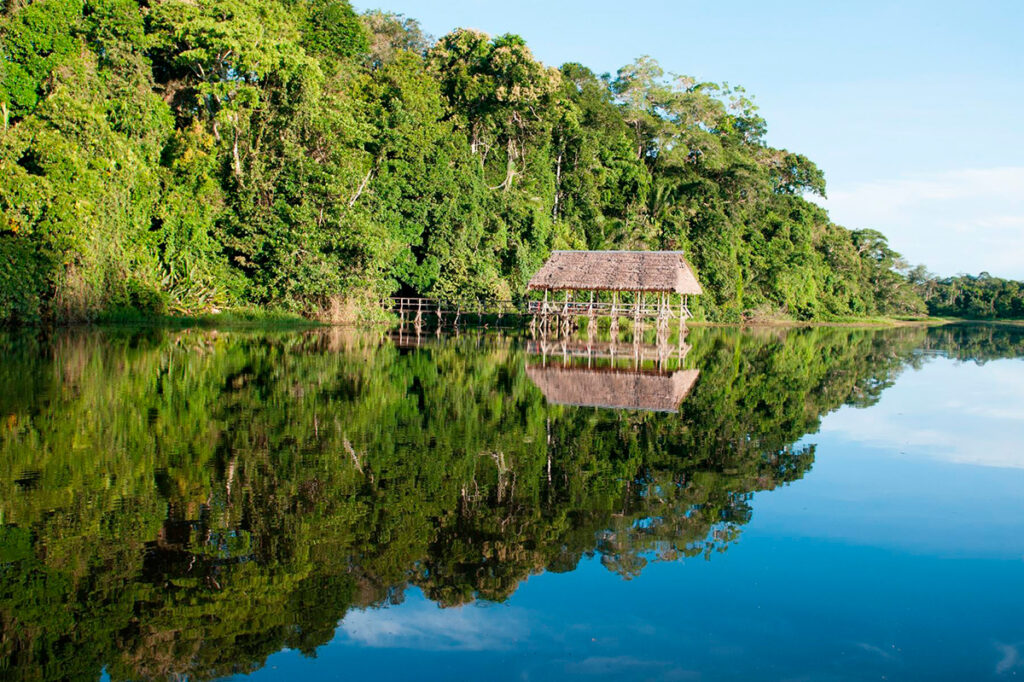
423 308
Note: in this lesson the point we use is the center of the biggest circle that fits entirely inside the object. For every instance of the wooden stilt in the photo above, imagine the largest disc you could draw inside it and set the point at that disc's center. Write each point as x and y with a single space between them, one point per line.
682 317
591 319
614 328
544 314
637 299
566 322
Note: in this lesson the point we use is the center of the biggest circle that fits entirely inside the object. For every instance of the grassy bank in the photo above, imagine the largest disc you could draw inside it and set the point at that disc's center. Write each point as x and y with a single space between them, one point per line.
238 317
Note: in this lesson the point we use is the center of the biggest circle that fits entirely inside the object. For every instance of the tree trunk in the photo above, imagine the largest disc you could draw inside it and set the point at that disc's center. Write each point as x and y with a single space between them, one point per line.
235 156
510 166
558 185
362 186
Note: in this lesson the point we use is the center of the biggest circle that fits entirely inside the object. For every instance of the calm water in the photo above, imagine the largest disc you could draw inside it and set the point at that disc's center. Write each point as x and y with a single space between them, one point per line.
808 504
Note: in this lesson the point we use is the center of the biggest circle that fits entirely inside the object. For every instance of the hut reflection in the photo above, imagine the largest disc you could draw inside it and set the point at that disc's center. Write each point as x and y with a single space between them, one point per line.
593 374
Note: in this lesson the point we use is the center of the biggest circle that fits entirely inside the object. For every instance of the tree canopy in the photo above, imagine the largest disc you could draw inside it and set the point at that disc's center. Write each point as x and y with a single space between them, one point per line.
177 156
980 297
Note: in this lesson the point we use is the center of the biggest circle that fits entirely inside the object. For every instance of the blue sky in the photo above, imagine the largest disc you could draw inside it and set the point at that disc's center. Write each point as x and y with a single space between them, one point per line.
913 109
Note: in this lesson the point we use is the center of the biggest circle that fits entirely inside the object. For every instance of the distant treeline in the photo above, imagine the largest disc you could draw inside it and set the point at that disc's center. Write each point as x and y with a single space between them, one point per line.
173 156
980 298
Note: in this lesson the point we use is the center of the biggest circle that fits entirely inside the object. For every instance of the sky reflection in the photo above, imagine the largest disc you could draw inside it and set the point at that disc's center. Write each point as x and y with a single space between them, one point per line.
899 556
947 412
422 625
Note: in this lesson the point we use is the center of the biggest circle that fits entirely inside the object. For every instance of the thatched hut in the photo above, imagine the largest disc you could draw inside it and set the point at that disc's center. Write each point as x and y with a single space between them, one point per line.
650 279
613 389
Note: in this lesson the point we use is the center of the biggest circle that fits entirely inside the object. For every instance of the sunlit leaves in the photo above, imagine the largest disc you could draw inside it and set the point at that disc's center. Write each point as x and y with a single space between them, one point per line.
184 155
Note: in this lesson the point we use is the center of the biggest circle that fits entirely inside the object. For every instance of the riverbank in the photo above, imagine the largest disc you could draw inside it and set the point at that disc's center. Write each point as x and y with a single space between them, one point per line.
842 322
240 317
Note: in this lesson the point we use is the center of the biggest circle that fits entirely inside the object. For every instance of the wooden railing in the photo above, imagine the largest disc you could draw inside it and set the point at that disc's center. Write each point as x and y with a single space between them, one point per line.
412 307
605 309
611 350
433 306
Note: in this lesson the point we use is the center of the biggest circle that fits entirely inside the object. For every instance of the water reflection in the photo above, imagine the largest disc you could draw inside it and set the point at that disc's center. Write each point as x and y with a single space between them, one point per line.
187 503
611 389
594 374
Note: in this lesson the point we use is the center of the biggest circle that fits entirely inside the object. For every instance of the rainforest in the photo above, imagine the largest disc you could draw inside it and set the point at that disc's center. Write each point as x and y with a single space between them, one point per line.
172 157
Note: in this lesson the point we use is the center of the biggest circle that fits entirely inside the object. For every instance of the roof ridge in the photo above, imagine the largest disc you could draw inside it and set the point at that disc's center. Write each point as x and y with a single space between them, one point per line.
679 251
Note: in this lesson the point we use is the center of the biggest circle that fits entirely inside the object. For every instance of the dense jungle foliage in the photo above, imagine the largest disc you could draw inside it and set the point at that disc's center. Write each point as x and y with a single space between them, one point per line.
182 156
185 504
981 297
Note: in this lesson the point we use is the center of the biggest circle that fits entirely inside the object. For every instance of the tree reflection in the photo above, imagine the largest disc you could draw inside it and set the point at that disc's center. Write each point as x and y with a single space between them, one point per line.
188 503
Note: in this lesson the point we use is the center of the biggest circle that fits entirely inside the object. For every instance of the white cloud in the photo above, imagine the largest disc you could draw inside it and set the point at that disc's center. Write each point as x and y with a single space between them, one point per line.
1009 657
955 221
424 626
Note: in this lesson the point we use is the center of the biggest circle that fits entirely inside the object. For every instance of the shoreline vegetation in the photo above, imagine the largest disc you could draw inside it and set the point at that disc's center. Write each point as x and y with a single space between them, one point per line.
277 320
293 159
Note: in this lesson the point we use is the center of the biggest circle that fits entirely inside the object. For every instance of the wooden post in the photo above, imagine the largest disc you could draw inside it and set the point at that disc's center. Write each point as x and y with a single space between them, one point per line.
544 314
591 319
614 328
682 305
663 318
660 313
637 297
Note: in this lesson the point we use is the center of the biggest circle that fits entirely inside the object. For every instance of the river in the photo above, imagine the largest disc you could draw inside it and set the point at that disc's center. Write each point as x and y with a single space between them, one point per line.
769 503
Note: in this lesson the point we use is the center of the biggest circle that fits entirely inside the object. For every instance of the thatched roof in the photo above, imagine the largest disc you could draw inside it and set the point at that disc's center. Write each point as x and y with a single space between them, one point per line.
661 271
613 389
